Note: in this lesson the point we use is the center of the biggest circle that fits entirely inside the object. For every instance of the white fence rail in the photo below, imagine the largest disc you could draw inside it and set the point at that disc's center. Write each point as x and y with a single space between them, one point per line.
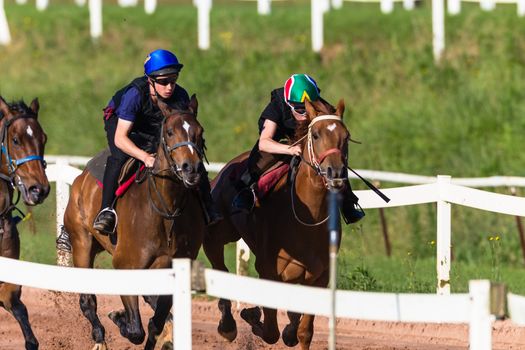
473 308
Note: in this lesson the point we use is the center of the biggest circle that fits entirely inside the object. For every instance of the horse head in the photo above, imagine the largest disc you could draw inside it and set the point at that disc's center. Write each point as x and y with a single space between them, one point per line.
182 143
327 142
22 150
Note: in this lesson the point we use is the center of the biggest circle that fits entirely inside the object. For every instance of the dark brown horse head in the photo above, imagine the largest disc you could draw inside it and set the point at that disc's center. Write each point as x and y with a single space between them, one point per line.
182 143
326 144
23 141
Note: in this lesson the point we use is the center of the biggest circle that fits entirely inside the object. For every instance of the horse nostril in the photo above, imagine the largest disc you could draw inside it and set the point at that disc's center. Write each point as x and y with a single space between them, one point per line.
187 167
329 172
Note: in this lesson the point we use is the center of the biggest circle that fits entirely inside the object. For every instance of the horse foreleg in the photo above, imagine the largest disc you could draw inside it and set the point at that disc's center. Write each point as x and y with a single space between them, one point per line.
10 300
214 250
129 321
157 322
88 305
161 305
290 331
305 332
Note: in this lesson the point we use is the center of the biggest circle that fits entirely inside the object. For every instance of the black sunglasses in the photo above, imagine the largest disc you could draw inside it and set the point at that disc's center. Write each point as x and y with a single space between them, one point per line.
298 109
166 81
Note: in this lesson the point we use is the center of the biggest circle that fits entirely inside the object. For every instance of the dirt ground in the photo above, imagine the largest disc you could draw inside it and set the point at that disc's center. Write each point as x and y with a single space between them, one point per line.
58 324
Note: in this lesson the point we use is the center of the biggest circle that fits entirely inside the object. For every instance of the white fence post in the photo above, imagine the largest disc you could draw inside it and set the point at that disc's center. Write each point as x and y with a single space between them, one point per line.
182 304
454 7
21 2
408 5
203 14
263 7
387 6
41 5
80 3
337 4
443 240
150 6
317 24
487 5
521 7
5 35
480 326
62 198
438 28
95 18
241 261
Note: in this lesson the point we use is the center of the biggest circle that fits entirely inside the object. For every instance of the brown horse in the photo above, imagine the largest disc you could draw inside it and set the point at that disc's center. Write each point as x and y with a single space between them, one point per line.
159 218
22 167
287 232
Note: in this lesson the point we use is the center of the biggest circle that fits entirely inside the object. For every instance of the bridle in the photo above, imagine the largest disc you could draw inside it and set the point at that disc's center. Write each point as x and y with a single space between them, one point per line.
315 163
165 211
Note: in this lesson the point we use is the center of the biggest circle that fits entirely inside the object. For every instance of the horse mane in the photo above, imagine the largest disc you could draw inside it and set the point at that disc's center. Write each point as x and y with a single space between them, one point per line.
301 128
20 107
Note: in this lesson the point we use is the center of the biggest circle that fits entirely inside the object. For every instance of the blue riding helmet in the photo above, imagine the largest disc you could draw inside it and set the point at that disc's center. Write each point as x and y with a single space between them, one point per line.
161 62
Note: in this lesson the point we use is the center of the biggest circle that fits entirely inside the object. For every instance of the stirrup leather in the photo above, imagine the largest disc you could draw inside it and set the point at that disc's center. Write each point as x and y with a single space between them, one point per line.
111 210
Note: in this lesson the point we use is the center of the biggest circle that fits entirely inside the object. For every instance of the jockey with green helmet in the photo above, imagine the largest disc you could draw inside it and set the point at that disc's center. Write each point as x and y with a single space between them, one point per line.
133 121
276 123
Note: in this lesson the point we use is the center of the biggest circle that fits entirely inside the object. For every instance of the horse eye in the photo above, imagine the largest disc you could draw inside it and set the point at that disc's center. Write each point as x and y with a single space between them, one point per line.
170 132
15 141
315 135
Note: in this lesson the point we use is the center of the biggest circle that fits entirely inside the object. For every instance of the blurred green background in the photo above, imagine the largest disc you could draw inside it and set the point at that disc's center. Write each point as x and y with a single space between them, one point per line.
463 117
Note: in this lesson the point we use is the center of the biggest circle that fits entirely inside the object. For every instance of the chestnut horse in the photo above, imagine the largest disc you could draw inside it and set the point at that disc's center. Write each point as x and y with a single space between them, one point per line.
160 218
22 167
287 232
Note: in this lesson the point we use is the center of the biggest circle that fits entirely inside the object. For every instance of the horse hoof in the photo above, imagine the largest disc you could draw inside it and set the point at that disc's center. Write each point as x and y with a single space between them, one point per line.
116 316
252 316
228 333
167 346
100 346
290 336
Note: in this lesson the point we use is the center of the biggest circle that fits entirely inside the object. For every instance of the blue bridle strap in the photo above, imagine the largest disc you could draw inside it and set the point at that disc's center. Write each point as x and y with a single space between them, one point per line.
28 159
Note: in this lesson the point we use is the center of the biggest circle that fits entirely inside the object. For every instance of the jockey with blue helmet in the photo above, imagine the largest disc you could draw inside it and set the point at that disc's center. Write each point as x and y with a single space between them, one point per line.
133 122
276 123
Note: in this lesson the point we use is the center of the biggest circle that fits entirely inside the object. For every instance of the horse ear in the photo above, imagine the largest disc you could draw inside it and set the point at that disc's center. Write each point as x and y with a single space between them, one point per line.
164 108
35 105
340 109
310 109
194 104
4 108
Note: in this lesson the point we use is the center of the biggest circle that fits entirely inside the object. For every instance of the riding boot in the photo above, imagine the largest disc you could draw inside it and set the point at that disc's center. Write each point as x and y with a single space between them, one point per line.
245 198
211 213
106 220
351 210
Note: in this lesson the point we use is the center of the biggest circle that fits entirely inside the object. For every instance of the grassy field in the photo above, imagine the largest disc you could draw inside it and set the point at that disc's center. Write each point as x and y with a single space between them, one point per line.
463 117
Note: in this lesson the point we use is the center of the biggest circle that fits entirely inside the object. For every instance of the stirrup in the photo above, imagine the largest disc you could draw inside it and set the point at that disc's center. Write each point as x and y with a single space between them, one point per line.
111 210
238 197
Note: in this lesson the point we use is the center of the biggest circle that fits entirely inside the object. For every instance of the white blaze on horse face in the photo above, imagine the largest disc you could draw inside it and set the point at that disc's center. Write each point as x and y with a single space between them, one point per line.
29 131
186 126
331 127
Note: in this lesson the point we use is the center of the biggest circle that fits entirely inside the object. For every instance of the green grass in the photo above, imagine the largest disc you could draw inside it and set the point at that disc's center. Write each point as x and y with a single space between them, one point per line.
463 117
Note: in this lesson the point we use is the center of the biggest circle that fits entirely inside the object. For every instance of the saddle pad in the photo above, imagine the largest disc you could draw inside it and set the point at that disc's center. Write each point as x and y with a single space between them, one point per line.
97 165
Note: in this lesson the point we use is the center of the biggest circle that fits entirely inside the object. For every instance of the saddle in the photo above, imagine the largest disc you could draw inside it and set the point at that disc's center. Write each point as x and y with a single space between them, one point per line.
128 173
267 180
